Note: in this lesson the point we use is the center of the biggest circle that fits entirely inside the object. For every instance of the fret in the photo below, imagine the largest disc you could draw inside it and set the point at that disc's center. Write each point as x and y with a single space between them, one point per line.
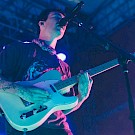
62 84
94 71
102 68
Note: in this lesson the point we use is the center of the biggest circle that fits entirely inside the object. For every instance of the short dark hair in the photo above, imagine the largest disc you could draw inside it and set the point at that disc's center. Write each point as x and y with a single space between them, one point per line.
44 14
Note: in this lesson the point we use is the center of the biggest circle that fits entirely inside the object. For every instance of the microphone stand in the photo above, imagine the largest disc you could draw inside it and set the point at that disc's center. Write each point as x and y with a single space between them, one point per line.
123 61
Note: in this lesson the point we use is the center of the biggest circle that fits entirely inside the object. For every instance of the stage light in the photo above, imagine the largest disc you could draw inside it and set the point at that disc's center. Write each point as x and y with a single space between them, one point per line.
4 47
61 56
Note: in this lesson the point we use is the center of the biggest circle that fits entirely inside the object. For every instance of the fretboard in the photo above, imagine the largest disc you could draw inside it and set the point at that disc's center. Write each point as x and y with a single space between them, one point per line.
92 72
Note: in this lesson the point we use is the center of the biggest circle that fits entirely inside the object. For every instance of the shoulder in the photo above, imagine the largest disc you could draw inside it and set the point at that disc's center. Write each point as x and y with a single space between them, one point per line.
19 46
24 44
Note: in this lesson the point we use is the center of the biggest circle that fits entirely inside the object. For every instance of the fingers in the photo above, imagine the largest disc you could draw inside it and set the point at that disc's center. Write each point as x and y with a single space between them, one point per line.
41 92
83 76
40 95
36 95
37 99
84 80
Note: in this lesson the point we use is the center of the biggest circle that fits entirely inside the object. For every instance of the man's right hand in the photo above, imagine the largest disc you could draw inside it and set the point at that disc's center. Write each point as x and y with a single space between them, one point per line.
33 94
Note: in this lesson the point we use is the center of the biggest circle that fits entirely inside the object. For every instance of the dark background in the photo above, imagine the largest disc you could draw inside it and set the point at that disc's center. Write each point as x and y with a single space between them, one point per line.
106 111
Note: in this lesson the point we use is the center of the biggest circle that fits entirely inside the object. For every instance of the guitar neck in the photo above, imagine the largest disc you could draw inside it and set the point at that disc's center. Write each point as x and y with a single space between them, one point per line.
93 72
102 68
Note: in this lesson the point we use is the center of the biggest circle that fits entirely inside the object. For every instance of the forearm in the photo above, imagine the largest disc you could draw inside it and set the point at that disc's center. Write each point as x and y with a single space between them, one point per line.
9 87
28 93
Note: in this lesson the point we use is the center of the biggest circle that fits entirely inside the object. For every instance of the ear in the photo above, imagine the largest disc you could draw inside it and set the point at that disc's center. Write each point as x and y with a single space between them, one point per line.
41 23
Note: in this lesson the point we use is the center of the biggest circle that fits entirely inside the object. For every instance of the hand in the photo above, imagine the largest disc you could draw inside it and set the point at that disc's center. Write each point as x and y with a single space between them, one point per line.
34 95
84 85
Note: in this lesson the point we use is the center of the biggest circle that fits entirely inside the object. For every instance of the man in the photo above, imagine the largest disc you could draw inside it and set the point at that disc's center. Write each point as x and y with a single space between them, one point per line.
29 61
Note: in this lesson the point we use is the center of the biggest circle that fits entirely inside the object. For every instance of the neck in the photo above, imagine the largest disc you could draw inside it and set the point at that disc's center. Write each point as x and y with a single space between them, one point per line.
49 40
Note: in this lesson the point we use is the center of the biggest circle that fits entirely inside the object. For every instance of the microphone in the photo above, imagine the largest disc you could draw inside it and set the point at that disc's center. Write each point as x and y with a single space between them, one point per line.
73 14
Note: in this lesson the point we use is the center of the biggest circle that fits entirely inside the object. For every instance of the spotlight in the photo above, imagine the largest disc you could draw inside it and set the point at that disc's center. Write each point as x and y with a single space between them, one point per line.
61 56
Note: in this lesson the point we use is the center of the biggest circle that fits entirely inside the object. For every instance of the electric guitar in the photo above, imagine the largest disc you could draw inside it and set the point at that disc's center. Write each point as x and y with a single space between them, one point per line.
25 116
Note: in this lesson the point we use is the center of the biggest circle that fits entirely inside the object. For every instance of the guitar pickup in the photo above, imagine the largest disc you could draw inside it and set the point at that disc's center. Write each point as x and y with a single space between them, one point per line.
33 112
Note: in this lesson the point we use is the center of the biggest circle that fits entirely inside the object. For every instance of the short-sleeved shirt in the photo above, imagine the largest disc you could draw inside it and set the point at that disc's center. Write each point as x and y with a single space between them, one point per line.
28 61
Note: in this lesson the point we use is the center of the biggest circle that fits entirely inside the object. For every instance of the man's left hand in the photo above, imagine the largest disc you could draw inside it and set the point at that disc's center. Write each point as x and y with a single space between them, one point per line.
84 85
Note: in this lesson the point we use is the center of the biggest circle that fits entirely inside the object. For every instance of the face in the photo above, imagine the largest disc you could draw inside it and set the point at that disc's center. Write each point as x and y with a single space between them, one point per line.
51 25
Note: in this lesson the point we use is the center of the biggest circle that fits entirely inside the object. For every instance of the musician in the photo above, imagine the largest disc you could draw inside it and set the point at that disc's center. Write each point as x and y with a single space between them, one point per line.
29 61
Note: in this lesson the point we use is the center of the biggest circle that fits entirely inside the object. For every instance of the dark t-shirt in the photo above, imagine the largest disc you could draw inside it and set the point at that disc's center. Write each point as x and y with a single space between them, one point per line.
28 61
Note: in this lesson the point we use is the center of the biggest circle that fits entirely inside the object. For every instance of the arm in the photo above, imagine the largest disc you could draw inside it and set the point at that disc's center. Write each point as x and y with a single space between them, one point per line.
8 63
30 94
84 88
